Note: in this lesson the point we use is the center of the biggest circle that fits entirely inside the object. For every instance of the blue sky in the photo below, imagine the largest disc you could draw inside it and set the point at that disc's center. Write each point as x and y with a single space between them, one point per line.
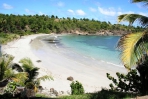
103 10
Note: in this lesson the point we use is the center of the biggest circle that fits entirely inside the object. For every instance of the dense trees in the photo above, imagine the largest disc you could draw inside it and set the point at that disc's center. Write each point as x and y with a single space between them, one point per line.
42 23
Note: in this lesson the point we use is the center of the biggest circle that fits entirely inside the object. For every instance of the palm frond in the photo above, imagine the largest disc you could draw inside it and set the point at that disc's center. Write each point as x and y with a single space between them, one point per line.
9 73
20 78
8 60
46 77
2 69
133 47
26 62
17 67
131 18
33 73
43 78
121 17
145 2
5 63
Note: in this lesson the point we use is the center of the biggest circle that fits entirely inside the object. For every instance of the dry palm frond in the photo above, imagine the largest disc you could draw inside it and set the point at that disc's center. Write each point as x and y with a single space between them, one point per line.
133 47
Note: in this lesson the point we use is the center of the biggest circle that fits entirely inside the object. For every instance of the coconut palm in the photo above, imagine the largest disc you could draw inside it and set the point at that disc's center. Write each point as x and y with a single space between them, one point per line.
134 45
33 72
7 73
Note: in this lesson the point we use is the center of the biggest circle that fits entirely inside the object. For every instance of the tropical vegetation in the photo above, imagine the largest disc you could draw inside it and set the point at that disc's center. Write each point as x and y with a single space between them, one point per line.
134 55
33 72
26 24
133 45
76 88
8 74
13 75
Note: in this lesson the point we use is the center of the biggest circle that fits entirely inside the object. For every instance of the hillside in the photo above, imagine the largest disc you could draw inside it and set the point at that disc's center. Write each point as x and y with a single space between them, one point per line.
24 24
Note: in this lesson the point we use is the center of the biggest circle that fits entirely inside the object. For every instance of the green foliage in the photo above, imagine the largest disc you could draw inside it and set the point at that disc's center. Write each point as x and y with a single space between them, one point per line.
134 48
30 85
26 24
41 95
109 94
5 68
103 94
7 73
33 72
5 38
126 83
76 88
136 80
10 88
84 96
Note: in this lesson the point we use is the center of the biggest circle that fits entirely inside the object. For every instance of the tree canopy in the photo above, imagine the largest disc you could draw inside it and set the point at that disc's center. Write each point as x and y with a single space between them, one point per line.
22 24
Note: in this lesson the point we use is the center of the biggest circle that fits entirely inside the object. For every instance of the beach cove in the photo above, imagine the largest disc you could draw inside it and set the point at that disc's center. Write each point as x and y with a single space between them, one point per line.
61 63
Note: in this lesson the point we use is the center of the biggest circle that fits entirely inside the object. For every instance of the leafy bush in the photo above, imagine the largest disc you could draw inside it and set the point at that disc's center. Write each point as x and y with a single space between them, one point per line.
76 88
10 88
126 83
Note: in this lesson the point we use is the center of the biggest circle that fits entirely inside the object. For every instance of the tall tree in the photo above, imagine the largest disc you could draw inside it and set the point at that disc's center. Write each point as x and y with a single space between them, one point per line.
134 47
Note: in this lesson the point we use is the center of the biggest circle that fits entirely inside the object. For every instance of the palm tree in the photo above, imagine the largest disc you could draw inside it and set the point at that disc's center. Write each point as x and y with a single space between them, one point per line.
7 73
134 46
33 72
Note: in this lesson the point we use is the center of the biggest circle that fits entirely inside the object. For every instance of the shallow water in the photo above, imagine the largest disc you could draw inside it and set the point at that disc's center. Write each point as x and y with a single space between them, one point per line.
70 57
101 48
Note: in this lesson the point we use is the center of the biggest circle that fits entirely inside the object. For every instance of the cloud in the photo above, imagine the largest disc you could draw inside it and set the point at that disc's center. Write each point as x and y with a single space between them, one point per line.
60 4
80 12
92 9
7 6
29 11
77 12
71 12
109 11
112 12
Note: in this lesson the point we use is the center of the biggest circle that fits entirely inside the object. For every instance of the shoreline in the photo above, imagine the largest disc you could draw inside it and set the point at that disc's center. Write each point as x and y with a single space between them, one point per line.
60 67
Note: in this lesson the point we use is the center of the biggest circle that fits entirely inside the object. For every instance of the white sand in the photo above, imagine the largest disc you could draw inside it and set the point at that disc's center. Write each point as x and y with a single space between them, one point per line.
92 77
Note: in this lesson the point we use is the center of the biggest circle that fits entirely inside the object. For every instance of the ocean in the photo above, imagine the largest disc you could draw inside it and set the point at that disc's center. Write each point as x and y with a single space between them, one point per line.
86 49
101 48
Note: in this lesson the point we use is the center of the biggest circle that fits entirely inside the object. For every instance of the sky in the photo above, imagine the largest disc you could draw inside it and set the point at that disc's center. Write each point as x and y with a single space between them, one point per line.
102 10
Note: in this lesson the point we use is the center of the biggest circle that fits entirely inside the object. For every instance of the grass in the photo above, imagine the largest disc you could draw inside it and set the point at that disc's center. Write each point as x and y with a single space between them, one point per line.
5 38
42 95
103 94
84 96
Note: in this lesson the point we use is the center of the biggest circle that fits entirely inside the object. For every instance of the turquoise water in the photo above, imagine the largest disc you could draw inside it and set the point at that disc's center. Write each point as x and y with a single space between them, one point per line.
96 47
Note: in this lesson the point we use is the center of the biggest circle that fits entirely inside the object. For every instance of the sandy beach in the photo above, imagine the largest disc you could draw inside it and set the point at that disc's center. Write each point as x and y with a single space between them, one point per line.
62 64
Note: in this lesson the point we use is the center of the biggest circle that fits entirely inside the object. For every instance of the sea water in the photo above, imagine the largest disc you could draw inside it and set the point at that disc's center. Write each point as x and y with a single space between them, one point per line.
100 48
